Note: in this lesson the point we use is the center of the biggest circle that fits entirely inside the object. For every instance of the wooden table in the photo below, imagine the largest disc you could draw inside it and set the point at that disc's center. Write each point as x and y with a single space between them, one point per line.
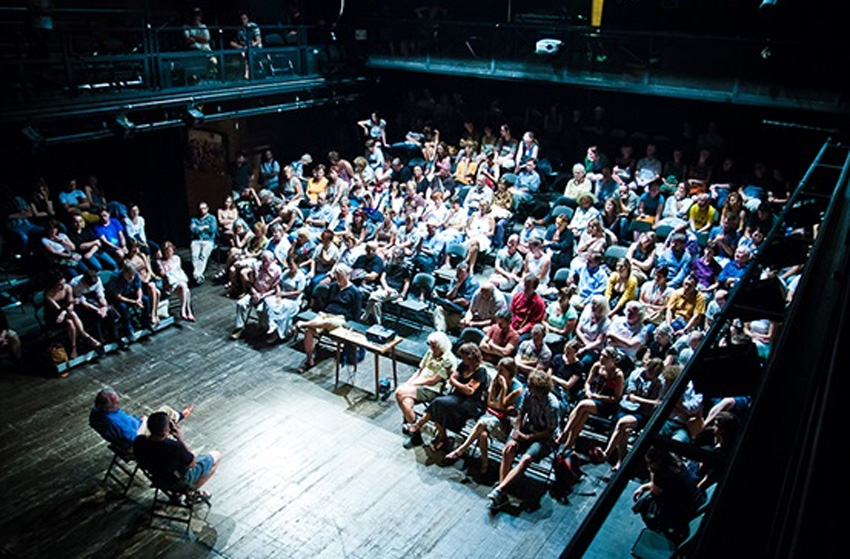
343 336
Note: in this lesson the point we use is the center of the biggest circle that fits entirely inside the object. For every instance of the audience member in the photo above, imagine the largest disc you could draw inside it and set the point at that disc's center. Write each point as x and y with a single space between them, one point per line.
204 228
428 381
119 427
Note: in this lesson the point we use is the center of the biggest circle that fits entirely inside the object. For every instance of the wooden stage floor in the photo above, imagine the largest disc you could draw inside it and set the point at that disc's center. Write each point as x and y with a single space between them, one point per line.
307 471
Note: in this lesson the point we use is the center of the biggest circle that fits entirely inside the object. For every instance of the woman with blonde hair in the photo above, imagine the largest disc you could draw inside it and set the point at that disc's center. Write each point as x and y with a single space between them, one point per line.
622 286
175 279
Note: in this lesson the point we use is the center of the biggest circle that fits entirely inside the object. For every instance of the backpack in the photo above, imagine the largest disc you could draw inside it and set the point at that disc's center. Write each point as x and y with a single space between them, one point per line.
567 474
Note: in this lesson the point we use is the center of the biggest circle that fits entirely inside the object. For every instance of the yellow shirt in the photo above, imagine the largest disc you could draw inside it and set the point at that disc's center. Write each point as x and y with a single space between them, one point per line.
314 188
702 216
685 307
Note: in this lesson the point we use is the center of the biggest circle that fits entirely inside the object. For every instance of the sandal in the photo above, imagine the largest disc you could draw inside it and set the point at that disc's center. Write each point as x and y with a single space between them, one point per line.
437 445
199 497
306 366
187 411
454 455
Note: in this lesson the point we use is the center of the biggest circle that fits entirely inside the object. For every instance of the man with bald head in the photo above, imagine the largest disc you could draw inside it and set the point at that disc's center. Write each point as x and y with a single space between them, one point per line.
119 427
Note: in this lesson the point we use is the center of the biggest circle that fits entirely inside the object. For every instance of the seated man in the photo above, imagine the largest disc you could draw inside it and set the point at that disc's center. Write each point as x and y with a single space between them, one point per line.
532 436
92 307
164 455
676 260
685 307
343 303
591 279
527 306
485 304
501 340
628 334
509 265
124 292
734 270
119 427
533 353
456 300
264 283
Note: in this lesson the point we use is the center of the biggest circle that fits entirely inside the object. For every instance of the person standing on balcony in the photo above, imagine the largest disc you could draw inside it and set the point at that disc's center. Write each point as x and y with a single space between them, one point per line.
247 37
196 33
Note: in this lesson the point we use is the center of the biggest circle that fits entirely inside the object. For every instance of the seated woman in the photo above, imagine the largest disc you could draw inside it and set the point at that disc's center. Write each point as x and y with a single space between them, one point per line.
595 239
175 280
676 207
385 235
282 308
642 395
61 253
360 226
344 303
479 233
134 229
641 255
537 263
143 268
532 436
239 237
707 269
502 399
602 391
591 328
568 374
614 217
245 258
466 400
227 216
325 257
622 287
428 381
59 311
561 318
560 242
654 295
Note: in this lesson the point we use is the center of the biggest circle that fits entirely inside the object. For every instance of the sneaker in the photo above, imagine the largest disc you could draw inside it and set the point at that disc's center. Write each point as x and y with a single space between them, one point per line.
497 499
414 440
236 334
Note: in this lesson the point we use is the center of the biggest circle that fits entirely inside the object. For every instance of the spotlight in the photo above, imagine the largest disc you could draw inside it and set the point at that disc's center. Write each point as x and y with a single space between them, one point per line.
547 47
193 116
121 126
768 4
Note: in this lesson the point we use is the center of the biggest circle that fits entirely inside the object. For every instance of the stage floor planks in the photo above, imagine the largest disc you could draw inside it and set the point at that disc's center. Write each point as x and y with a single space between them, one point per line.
307 471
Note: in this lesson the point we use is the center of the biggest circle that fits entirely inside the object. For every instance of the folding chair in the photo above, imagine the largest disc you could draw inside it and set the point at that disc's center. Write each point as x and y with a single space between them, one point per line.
124 461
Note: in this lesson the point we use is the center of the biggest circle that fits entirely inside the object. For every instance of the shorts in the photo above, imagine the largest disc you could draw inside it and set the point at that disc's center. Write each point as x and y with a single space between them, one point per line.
641 419
203 466
332 321
605 409
425 395
537 450
494 427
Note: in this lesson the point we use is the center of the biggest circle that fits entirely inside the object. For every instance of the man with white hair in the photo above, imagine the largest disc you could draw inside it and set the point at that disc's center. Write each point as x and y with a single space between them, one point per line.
485 304
734 270
627 333
119 427
264 282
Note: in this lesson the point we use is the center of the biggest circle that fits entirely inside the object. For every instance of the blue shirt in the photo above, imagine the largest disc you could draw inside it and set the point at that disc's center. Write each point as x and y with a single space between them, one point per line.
731 271
467 289
528 179
677 267
591 282
204 228
110 232
117 426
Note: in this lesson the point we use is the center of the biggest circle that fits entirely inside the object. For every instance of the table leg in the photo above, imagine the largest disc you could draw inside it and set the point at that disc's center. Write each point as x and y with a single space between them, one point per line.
336 374
377 372
395 369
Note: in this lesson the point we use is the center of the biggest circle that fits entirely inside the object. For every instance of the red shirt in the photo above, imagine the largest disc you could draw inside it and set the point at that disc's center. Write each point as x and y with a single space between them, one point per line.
526 311
501 338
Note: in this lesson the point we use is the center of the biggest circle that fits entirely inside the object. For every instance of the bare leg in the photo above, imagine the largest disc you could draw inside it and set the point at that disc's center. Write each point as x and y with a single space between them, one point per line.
473 255
514 473
71 330
405 397
473 436
508 456
578 417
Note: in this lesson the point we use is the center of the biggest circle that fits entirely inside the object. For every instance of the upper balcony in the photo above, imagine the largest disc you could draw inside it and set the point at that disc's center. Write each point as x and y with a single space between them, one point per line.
766 72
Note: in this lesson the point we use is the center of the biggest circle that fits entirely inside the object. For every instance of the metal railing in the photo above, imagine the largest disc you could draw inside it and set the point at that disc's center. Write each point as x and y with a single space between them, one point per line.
749 71
79 61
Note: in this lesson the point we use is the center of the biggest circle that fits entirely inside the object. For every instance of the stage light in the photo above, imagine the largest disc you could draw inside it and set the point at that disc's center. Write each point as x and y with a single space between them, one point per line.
548 46
768 4
121 126
193 116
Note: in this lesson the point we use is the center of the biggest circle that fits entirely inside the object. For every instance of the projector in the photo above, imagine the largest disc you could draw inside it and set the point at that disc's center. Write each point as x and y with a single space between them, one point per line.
548 46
